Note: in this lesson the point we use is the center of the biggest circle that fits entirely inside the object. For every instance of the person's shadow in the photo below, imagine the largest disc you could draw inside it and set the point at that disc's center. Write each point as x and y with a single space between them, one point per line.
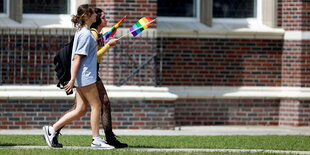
7 144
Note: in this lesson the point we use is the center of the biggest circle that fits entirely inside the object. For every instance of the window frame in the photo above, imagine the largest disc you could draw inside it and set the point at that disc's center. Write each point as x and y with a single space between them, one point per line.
183 19
266 13
207 26
240 20
6 9
71 8
255 12
204 11
14 13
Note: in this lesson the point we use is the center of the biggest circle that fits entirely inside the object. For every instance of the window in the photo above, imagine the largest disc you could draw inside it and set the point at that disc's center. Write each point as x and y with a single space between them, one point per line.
2 6
177 8
46 6
234 8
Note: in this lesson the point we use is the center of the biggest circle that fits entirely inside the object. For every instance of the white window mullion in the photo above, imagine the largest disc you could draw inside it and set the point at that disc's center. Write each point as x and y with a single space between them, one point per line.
205 14
16 10
269 13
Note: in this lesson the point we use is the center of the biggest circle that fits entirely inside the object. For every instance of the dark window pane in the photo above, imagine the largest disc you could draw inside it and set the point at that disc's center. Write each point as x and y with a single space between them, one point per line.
176 8
46 6
233 8
1 6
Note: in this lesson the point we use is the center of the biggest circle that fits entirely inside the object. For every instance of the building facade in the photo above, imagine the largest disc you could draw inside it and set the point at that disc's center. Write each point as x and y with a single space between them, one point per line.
204 62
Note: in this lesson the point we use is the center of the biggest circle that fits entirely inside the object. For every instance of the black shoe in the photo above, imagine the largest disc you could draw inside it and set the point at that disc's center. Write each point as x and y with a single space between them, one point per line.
111 140
55 140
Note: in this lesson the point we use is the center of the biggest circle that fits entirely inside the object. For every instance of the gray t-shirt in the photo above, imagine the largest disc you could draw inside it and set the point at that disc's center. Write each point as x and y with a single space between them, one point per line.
85 44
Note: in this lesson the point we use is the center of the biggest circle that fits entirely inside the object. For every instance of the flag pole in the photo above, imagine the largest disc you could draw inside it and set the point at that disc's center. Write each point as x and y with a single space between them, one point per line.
136 29
124 35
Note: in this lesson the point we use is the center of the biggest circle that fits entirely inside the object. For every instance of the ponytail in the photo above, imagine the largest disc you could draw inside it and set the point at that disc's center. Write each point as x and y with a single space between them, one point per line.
83 12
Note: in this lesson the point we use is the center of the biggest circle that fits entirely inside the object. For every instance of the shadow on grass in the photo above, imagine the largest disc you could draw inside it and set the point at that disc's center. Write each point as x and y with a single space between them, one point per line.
12 144
7 144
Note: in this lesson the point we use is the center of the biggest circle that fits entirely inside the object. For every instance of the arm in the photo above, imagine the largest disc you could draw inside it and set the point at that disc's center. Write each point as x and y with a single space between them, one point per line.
75 67
101 51
105 48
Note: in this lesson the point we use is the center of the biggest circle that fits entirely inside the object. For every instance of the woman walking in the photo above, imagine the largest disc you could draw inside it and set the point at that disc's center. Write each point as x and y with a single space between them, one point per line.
83 77
96 27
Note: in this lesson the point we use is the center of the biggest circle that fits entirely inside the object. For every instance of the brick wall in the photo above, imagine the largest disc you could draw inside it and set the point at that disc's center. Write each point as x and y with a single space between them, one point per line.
227 112
294 15
294 113
124 59
221 62
143 114
287 112
295 63
30 114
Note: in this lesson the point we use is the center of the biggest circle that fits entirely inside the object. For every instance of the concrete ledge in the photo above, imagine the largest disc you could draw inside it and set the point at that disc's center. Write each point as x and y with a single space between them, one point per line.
297 35
43 21
227 29
140 93
241 92
51 92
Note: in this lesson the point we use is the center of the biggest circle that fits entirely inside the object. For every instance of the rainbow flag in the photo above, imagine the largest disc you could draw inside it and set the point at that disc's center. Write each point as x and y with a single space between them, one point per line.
141 25
111 32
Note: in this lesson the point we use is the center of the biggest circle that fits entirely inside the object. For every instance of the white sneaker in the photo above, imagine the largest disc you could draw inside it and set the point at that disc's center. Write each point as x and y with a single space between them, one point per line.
100 144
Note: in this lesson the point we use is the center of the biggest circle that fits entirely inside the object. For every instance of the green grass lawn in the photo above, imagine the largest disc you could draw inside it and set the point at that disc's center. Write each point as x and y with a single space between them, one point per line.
301 143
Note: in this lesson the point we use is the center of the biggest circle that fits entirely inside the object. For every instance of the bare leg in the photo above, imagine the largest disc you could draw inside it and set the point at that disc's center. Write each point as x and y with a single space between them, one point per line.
79 110
90 94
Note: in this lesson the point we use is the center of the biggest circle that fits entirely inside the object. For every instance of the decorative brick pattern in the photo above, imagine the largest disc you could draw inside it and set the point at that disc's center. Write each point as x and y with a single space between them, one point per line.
221 62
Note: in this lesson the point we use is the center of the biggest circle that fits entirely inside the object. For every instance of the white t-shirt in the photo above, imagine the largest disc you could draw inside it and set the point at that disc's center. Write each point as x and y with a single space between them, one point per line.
85 44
